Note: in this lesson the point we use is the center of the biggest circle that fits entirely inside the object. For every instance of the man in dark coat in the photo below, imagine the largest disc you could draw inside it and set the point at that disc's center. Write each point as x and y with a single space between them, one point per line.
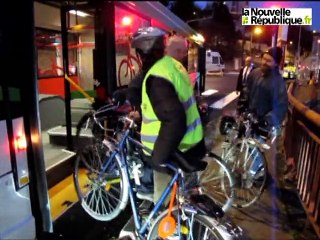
268 100
242 82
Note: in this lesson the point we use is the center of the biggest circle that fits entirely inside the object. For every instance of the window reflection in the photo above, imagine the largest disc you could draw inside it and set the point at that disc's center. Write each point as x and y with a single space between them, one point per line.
49 52
127 62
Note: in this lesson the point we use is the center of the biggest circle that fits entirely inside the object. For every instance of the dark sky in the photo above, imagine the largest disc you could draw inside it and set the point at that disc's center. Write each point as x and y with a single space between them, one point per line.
291 4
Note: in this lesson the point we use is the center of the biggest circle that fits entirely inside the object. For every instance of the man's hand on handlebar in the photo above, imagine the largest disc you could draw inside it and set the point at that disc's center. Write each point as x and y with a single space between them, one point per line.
275 132
135 116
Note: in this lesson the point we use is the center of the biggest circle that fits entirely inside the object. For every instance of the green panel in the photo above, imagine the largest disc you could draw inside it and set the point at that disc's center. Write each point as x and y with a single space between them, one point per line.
14 94
78 94
1 95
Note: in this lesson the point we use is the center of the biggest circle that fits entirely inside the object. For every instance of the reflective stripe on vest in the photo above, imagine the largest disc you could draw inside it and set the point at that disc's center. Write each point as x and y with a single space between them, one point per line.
190 127
186 105
189 103
173 71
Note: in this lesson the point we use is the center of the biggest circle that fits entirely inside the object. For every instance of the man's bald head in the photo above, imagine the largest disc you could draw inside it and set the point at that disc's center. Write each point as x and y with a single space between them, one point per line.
248 61
177 48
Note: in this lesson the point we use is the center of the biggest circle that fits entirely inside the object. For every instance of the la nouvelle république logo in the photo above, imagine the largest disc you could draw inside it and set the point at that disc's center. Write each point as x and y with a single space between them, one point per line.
277 16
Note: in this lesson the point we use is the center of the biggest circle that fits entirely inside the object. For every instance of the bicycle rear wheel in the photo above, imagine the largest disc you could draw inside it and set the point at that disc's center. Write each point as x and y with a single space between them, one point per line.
195 226
249 167
103 195
217 182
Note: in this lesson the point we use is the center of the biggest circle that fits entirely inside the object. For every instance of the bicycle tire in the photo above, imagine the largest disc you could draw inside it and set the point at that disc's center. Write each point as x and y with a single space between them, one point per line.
217 182
128 72
102 195
201 223
87 132
250 169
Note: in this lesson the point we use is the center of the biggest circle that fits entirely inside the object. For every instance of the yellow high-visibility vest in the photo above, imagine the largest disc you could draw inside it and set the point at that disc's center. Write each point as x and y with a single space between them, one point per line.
173 71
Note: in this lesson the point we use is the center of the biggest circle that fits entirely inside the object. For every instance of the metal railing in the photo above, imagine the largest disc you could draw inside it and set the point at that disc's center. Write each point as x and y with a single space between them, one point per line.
302 143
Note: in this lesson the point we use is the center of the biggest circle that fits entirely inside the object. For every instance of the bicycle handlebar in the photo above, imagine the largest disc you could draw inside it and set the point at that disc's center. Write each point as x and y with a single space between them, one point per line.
272 133
250 117
127 119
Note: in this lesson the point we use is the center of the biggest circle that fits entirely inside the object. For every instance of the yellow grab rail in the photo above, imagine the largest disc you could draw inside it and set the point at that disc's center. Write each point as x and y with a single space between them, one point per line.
87 96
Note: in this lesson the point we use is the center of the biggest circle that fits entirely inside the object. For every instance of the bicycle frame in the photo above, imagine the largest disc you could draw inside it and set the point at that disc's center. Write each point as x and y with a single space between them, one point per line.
141 227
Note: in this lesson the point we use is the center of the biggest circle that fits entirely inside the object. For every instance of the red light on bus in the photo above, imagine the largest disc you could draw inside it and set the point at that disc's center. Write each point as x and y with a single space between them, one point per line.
126 21
20 143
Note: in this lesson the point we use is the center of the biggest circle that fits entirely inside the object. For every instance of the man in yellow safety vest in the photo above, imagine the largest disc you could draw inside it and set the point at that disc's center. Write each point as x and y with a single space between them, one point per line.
170 118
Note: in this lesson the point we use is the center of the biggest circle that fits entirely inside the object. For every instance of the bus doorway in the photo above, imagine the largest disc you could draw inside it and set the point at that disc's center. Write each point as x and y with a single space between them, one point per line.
24 203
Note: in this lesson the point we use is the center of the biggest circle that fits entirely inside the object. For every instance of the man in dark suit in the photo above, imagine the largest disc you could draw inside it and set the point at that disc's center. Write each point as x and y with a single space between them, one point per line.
242 81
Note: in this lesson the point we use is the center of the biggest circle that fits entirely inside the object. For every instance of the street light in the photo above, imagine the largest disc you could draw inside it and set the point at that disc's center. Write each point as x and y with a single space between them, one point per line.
257 31
317 69
299 48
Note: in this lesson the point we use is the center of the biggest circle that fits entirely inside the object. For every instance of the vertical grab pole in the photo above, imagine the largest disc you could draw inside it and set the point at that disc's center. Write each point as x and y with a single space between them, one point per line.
64 36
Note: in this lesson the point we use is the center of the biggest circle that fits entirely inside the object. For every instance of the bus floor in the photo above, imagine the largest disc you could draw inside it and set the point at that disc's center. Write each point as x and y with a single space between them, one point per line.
72 222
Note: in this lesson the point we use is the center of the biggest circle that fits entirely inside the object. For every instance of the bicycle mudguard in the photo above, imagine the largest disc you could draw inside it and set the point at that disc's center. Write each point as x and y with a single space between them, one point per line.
206 206
186 166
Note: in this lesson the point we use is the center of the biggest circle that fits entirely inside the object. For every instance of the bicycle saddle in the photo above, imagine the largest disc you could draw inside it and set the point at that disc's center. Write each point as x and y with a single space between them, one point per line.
188 166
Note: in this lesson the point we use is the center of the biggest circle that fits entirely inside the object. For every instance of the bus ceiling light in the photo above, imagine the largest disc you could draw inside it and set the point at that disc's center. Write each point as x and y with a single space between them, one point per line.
20 143
79 13
132 4
126 21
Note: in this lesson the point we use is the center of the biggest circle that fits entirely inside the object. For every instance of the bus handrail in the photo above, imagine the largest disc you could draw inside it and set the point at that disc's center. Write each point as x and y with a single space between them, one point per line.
302 145
87 96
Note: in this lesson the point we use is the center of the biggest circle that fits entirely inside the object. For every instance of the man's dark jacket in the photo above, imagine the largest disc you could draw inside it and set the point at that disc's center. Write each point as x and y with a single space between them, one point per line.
239 86
267 95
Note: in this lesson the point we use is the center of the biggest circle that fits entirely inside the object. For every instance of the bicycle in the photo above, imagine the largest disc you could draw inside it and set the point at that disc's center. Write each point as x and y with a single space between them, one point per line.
243 150
128 67
216 181
112 181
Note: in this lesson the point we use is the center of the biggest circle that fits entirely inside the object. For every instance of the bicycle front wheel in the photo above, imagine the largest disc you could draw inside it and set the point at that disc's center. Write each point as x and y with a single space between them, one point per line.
249 168
192 226
217 182
103 195
88 132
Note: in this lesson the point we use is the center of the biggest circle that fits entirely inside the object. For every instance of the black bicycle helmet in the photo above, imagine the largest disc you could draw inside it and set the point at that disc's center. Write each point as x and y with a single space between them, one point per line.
226 124
148 38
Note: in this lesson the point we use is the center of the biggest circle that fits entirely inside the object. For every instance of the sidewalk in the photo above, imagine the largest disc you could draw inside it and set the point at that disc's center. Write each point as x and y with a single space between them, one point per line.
278 214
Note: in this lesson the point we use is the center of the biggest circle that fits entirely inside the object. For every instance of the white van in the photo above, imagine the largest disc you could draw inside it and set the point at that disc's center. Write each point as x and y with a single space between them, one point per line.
214 62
